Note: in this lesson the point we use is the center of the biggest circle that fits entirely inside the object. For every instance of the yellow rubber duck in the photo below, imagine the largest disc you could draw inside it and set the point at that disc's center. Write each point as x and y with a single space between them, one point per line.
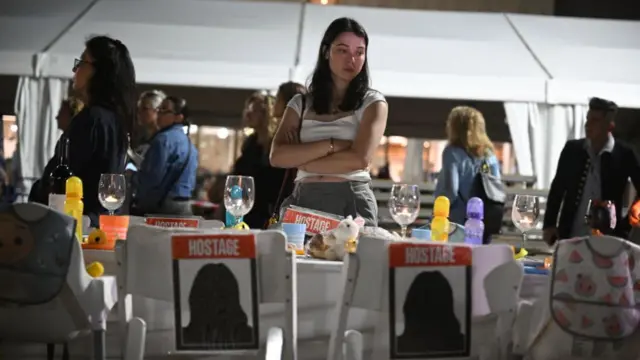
241 226
97 237
95 269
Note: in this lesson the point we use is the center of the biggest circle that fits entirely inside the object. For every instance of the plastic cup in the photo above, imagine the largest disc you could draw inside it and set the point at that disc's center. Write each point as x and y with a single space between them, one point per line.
421 234
295 236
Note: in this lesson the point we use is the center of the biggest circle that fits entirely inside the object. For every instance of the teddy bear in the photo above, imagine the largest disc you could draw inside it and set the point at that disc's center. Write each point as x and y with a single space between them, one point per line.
335 243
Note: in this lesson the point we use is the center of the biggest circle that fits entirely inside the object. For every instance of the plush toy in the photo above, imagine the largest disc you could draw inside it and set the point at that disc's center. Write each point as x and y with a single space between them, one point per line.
334 244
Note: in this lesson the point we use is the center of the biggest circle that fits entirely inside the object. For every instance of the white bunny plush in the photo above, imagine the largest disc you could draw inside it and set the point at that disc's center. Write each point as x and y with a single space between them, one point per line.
333 244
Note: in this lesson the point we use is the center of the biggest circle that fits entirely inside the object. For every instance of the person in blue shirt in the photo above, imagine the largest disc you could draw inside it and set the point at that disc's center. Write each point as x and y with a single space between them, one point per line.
167 175
468 149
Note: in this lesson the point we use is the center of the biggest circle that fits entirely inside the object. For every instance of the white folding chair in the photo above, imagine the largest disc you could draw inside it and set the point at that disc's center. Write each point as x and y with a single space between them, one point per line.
365 279
145 257
47 295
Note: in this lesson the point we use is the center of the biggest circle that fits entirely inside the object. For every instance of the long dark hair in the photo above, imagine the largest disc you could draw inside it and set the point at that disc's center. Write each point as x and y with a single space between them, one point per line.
214 304
113 84
321 86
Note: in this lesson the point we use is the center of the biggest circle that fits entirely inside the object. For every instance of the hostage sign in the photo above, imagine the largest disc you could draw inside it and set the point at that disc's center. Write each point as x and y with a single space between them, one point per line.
316 223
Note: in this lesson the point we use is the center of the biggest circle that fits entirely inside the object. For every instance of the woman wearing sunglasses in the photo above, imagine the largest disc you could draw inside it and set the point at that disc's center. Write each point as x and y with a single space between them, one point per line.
104 80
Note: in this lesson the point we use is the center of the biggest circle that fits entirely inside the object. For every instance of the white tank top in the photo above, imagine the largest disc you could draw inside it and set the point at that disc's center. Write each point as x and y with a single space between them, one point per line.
344 128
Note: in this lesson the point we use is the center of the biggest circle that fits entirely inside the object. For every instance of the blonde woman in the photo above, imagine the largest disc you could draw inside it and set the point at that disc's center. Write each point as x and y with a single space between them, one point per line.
260 114
468 150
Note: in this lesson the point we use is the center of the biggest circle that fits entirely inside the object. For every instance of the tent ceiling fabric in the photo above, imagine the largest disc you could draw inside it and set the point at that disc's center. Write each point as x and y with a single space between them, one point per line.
28 26
230 44
586 57
414 54
435 54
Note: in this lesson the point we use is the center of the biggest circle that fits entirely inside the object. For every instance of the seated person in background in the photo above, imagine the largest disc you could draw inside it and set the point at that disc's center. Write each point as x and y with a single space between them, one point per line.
469 148
594 168
167 176
104 79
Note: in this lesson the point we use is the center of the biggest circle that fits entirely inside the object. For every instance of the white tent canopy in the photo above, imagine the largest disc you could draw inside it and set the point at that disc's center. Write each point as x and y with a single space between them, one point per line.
253 45
231 44
28 27
434 54
586 57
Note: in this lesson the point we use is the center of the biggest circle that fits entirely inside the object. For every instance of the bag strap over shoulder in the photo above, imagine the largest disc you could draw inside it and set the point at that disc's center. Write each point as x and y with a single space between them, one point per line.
289 173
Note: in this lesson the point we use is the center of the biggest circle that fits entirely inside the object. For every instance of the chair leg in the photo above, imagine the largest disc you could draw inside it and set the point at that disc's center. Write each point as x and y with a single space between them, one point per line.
51 351
65 351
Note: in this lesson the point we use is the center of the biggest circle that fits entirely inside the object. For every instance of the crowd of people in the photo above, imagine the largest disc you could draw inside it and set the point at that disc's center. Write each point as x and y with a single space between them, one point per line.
312 146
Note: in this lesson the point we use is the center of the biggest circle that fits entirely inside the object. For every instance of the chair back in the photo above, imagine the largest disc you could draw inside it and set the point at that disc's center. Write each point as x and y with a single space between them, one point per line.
368 281
591 311
148 256
41 275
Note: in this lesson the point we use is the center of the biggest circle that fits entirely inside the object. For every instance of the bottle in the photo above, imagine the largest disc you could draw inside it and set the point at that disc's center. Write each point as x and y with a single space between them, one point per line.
58 177
73 205
474 227
440 222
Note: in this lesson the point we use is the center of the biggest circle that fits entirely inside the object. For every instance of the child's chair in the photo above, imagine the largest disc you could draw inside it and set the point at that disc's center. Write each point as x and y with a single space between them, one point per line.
590 309
146 256
47 296
367 282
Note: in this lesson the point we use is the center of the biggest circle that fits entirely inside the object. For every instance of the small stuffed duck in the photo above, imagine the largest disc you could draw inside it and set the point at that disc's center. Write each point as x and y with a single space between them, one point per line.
334 244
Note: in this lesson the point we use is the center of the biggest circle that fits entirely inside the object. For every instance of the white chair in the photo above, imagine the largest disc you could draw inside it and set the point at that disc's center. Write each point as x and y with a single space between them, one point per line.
589 310
366 280
47 296
145 257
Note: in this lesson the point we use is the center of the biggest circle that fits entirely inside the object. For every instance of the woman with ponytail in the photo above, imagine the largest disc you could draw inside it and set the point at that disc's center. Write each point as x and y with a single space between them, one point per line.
167 174
469 148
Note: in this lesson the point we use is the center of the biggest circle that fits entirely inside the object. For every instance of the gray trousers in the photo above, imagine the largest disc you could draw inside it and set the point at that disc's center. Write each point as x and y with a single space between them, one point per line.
174 207
340 198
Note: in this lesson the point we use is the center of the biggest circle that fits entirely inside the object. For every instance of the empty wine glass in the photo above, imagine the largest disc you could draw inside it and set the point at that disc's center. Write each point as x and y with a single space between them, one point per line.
525 213
112 191
404 205
239 195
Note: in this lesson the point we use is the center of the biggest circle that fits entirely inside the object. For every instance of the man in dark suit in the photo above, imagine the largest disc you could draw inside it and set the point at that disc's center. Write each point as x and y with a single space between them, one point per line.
595 168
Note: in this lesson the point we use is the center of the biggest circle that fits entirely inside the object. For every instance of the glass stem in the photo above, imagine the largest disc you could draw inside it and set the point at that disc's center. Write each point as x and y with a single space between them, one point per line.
524 239
403 231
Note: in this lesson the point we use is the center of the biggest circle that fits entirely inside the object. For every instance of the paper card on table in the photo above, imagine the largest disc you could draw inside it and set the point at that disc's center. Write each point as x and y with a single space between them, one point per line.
317 222
167 222
429 300
215 286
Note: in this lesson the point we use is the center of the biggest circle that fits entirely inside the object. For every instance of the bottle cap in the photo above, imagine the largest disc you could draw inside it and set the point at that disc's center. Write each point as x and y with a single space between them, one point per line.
441 206
475 208
74 187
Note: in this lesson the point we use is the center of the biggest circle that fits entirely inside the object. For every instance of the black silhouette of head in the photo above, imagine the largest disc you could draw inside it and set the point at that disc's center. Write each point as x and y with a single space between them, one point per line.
216 314
430 324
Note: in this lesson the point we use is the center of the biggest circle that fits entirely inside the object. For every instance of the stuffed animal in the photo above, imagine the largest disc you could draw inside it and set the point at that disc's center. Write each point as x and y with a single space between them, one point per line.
335 243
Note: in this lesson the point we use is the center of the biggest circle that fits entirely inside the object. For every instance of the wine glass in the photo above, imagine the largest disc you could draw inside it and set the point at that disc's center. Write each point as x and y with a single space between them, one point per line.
239 195
112 191
404 205
525 213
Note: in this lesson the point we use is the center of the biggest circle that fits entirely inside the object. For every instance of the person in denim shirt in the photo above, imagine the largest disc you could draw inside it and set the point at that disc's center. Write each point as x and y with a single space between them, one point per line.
469 147
167 174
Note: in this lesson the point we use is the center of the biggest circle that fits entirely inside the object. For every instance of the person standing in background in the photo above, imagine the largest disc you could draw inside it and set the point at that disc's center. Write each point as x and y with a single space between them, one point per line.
148 105
262 113
68 109
597 167
104 80
168 172
468 149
